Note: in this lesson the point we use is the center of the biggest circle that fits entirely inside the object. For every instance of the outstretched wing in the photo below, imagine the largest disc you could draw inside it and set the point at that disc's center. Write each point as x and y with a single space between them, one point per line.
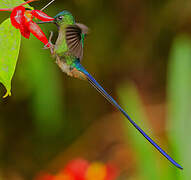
75 39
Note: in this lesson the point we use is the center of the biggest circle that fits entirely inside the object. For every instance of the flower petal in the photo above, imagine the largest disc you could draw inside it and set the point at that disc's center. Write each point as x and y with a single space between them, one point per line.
25 32
77 169
37 32
41 15
17 17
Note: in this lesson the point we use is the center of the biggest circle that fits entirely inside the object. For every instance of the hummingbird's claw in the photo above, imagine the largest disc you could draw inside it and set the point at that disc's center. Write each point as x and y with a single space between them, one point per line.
50 45
50 37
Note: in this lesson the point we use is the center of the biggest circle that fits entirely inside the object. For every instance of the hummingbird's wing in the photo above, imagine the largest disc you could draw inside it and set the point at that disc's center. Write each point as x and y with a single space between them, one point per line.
83 27
75 39
96 85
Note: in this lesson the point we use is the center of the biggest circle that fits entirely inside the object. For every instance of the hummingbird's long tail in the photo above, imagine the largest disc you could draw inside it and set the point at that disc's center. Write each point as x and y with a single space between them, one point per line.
95 84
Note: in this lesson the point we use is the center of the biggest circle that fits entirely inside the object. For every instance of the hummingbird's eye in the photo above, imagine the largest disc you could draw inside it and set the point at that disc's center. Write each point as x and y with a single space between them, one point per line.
60 17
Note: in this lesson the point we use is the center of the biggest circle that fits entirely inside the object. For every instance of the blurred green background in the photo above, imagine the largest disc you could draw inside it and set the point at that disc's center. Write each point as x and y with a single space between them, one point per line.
140 52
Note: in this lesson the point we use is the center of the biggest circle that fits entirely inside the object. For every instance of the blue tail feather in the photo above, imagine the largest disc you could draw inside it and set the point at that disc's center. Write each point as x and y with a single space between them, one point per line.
95 84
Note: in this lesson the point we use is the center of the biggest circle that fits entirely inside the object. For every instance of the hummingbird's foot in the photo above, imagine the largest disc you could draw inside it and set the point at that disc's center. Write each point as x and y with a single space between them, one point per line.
50 45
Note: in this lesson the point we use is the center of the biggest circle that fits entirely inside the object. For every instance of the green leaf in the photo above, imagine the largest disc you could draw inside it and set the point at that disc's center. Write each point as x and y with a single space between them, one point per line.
12 3
10 44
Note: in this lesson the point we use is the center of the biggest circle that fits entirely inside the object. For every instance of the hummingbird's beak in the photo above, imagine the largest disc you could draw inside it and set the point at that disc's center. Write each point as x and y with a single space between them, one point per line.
43 22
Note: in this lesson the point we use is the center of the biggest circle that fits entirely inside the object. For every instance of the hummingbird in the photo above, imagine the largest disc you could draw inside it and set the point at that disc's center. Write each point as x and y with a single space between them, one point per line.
68 52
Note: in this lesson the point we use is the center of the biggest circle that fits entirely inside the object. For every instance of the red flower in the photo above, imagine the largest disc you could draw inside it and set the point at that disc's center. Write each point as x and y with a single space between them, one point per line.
44 176
76 169
111 172
80 169
22 19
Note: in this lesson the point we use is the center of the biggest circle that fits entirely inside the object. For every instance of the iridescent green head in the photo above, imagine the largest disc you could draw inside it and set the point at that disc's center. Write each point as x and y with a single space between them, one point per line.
64 17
